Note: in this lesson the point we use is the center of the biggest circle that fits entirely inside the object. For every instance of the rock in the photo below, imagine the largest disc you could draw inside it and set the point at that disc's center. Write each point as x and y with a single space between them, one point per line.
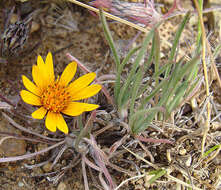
11 147
14 18
62 186
47 167
34 27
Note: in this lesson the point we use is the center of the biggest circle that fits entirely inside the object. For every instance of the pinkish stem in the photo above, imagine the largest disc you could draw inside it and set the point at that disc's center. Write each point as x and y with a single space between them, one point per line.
86 70
151 140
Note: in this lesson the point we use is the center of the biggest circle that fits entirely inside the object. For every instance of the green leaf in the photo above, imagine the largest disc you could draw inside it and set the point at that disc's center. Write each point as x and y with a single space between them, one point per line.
211 150
109 38
177 99
176 41
140 56
119 71
156 54
140 115
136 86
157 175
217 51
153 93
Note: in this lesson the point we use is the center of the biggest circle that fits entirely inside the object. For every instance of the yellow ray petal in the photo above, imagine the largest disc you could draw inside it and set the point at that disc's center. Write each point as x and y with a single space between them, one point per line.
38 77
81 83
31 86
50 67
39 113
68 73
86 92
44 70
40 63
77 108
51 121
30 98
41 66
61 124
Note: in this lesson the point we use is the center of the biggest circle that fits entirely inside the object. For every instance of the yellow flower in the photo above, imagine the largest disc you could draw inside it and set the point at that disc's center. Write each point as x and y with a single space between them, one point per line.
58 96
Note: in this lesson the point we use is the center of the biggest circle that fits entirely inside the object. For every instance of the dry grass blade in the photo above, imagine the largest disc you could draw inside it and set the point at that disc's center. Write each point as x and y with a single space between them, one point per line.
5 138
181 182
129 179
207 124
139 157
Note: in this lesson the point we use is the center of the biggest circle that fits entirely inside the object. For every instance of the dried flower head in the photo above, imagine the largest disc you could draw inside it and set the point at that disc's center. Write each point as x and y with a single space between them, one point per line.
143 13
58 96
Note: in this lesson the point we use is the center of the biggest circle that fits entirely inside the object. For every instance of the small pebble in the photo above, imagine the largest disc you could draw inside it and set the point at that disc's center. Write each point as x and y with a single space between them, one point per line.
182 151
20 184
34 27
47 167
62 186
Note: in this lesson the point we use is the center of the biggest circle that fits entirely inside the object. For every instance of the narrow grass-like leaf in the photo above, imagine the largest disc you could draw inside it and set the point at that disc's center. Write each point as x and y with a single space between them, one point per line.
176 41
140 114
167 89
194 72
211 150
199 30
119 71
217 51
177 77
137 61
192 87
177 99
157 175
136 86
162 69
153 93
156 54
109 38
80 123
146 66
150 57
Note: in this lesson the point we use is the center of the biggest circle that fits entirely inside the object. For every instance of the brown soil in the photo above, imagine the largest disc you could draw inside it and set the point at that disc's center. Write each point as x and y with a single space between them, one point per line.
66 28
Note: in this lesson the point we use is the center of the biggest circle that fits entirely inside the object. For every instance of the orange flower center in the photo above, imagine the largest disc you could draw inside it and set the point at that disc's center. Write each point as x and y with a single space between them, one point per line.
55 97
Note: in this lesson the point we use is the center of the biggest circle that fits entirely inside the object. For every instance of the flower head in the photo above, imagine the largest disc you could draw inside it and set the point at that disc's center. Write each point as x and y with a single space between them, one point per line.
56 96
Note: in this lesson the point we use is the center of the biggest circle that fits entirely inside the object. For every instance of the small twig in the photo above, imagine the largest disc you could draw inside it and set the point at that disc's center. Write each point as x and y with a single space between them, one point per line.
59 155
27 156
86 186
37 165
10 120
129 179
62 49
165 141
97 133
107 77
85 131
147 152
16 136
139 157
181 182
7 101
91 164
104 184
56 178
5 138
